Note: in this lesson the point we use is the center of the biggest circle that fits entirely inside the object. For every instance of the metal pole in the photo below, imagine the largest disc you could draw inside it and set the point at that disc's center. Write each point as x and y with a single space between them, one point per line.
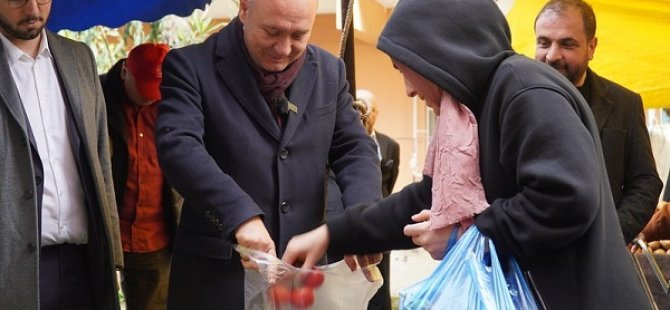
348 55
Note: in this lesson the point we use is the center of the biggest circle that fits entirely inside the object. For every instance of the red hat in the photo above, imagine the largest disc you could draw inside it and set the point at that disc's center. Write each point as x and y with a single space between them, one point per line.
144 62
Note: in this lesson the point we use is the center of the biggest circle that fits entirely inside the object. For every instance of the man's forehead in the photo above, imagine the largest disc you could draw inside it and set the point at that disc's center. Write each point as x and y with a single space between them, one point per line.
564 25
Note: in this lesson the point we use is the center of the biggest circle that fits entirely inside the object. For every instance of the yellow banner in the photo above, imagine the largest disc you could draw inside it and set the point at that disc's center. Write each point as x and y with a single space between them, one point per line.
633 43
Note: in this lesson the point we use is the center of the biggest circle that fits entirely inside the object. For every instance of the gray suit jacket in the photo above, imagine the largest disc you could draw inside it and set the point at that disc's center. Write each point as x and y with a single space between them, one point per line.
21 188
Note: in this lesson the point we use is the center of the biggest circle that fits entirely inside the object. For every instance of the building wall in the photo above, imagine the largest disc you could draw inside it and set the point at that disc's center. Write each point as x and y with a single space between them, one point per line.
375 73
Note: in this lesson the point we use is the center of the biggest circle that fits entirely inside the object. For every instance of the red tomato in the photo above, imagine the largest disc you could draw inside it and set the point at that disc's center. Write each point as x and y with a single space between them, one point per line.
303 297
280 295
313 278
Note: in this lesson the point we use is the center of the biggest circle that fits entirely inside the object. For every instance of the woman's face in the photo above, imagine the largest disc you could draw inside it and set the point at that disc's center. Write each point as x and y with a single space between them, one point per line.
417 85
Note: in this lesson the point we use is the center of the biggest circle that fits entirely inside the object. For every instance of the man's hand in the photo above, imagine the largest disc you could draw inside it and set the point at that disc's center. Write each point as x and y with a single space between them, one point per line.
433 241
253 235
307 248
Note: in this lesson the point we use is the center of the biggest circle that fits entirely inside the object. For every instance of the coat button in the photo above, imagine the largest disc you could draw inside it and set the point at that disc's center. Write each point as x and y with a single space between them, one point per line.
284 207
31 247
283 153
28 194
38 180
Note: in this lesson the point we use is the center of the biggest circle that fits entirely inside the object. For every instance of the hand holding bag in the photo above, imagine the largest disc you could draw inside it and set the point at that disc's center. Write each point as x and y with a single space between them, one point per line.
471 276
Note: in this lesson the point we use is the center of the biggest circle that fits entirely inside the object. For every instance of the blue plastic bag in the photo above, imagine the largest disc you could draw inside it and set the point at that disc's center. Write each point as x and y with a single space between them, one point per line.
470 277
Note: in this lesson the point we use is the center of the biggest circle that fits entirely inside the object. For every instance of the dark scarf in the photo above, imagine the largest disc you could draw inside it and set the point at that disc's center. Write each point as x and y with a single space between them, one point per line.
272 85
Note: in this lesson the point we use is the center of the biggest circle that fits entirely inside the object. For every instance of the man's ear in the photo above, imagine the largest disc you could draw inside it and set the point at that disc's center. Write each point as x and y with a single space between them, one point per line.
592 47
243 12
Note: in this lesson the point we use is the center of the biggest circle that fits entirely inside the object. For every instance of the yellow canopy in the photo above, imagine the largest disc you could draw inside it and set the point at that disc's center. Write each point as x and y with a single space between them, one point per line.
633 43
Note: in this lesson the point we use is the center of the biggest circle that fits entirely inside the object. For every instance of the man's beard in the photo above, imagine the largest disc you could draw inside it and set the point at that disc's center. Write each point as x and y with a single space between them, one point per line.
15 33
571 73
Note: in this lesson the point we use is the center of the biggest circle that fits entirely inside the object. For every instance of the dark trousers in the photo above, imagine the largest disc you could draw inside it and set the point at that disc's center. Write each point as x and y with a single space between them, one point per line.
205 283
64 278
145 280
382 299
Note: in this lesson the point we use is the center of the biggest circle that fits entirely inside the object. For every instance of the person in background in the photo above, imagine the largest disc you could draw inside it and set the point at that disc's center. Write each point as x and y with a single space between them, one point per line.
541 164
248 122
148 207
59 233
388 151
565 32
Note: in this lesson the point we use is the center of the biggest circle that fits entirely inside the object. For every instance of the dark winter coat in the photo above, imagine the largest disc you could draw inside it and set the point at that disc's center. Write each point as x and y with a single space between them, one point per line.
541 162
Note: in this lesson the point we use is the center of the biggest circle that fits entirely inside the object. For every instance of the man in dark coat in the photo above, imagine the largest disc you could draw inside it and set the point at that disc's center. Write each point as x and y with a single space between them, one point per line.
566 39
542 168
248 122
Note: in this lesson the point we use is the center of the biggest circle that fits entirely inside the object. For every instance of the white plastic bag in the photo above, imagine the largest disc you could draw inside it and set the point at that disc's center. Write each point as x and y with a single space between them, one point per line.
279 286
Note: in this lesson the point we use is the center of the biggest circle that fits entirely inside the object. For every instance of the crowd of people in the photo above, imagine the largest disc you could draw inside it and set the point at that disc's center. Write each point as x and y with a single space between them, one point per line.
156 169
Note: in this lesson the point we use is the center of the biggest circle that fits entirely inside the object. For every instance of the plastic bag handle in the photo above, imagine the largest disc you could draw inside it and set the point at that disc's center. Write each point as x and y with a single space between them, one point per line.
453 238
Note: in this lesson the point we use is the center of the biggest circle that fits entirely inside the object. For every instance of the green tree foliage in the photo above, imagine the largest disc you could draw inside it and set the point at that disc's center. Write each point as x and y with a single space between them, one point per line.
109 45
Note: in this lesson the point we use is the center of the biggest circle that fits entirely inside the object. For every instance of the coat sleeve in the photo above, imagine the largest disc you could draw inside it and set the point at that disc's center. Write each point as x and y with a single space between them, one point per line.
378 227
558 168
185 161
642 186
353 154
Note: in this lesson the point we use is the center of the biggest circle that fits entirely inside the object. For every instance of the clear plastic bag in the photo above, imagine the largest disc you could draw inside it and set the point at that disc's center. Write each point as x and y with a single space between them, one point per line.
471 277
276 285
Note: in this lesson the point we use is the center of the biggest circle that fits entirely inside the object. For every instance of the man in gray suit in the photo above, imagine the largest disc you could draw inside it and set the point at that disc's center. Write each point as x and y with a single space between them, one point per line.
59 240
565 39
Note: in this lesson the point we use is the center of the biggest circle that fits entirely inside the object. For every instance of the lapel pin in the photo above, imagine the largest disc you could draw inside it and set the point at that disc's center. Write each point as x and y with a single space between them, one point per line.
292 107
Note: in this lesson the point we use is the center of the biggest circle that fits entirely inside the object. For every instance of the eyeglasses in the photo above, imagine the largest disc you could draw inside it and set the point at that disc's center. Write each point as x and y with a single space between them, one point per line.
15 4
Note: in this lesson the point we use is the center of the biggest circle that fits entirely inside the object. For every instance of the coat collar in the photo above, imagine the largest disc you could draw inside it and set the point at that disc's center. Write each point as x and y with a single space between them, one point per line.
601 105
9 94
67 66
301 91
233 67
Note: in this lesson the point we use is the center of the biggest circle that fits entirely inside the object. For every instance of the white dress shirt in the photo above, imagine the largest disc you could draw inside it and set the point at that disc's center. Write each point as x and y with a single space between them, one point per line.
63 211
379 149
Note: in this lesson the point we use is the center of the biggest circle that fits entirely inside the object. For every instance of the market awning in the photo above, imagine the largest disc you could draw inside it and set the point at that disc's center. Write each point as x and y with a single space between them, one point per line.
78 15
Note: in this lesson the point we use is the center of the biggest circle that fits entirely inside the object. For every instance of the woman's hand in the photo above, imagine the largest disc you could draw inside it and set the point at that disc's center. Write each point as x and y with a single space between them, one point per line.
307 248
433 241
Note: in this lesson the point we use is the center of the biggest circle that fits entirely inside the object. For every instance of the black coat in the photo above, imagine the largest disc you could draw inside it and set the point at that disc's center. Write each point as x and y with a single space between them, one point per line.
541 162
390 162
221 148
631 168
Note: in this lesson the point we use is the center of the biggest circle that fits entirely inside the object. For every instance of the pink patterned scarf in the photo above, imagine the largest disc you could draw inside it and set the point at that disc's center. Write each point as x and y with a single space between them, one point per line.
453 163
